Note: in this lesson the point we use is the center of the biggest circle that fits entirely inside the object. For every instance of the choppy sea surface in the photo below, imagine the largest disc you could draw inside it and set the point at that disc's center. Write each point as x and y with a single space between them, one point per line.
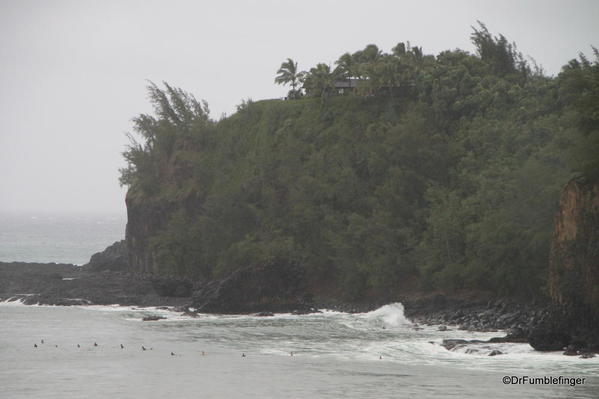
57 237
335 355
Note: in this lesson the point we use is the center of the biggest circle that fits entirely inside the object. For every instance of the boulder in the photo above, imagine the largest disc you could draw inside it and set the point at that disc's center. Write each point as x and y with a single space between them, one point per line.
114 257
571 351
548 340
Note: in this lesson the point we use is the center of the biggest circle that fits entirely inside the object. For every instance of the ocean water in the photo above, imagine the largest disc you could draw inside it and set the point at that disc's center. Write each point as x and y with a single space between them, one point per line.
57 237
335 355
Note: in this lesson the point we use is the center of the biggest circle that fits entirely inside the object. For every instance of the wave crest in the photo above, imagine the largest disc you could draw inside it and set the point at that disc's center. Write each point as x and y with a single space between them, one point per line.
391 315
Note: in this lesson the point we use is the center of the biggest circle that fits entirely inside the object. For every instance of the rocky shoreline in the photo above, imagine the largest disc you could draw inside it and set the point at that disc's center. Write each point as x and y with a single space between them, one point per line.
66 284
271 288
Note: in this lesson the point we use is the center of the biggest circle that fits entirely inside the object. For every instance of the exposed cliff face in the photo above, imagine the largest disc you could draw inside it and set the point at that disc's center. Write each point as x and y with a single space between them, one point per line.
573 273
574 261
144 219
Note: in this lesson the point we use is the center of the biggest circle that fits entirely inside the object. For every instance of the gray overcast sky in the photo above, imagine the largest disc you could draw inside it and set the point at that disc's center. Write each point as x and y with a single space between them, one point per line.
73 73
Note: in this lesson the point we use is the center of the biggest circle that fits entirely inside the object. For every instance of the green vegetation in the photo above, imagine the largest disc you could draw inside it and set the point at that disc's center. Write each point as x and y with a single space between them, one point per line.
580 92
436 173
288 74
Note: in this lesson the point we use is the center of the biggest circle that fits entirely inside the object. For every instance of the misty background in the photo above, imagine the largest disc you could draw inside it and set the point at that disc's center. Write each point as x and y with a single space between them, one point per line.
74 73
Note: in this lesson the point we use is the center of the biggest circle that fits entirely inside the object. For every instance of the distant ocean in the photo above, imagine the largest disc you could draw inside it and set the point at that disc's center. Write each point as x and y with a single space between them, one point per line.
58 237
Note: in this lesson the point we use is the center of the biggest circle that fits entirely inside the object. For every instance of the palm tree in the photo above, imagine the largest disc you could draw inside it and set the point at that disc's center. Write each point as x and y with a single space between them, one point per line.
320 80
288 74
346 66
371 53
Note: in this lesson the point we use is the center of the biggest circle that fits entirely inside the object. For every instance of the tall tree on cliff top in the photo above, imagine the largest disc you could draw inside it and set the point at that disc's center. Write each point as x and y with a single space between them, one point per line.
501 55
288 74
179 116
580 88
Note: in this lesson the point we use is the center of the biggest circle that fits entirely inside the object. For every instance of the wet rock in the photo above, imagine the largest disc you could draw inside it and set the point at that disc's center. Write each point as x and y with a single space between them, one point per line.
495 352
442 328
548 340
550 334
153 318
299 312
264 314
571 350
587 355
451 344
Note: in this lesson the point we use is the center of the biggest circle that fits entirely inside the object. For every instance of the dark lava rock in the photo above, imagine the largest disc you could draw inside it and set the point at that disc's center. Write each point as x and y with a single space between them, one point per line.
299 312
153 318
451 344
274 287
514 336
264 314
115 258
548 340
495 352
552 333
571 351
34 283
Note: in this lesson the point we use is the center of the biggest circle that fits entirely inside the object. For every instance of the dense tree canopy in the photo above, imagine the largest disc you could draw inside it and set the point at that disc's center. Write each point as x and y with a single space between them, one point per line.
438 173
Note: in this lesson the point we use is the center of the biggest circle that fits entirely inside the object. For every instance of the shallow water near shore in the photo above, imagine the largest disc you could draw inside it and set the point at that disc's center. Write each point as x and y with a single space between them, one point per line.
334 355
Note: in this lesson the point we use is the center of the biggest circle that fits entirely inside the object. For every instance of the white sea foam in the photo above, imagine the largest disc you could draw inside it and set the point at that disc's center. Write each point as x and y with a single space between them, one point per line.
13 301
391 315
